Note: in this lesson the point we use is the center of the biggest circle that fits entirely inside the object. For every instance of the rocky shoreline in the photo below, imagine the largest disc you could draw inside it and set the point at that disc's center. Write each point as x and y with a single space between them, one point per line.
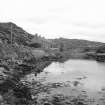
10 78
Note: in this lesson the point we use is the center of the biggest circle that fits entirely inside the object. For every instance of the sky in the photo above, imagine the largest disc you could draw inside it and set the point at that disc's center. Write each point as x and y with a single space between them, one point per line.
81 19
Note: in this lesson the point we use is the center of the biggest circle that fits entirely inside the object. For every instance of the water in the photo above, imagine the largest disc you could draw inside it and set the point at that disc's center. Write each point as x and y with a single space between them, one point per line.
80 77
90 74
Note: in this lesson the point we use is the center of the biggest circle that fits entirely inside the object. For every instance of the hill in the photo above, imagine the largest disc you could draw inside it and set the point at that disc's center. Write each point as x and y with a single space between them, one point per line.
76 43
16 42
19 36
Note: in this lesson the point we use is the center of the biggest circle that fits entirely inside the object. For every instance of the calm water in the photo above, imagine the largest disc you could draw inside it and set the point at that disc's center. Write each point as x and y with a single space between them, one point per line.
85 78
88 74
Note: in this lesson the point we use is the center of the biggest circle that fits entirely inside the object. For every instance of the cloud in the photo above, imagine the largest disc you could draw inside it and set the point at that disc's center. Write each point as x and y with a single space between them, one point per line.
57 18
37 20
89 25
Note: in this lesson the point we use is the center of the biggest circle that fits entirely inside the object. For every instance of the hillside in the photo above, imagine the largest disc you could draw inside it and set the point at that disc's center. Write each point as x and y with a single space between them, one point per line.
22 43
15 42
8 45
76 43
18 34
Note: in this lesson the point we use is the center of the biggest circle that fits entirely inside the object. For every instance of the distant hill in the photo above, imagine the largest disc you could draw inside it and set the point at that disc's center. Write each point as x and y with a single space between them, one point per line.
76 43
23 42
22 37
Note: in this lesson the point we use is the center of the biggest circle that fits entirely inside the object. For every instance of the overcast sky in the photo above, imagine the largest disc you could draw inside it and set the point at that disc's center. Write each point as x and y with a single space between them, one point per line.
57 18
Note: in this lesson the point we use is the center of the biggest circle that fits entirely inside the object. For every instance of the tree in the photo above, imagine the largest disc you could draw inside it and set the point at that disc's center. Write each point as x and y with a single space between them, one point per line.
101 49
61 47
35 45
